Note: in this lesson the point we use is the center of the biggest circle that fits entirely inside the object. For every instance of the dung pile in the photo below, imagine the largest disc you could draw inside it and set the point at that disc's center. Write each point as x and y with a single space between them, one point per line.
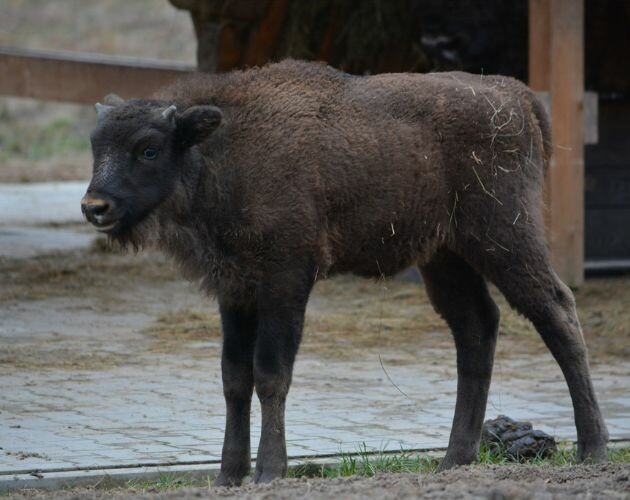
516 440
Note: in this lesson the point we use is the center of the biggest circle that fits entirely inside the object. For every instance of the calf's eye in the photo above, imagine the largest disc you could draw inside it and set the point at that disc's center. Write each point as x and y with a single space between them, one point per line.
150 154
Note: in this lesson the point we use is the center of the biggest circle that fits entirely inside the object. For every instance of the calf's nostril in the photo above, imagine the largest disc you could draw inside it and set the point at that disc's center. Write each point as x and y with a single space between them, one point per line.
99 209
94 208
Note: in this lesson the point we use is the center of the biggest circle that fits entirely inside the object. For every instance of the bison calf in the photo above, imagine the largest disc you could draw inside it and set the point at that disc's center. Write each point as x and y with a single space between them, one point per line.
260 182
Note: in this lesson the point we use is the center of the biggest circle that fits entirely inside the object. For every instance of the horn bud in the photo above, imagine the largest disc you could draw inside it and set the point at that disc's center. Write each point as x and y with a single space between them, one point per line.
169 112
102 110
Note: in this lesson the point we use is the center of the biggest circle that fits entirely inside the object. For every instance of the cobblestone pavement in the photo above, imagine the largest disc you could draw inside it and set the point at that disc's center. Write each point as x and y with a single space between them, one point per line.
111 361
163 408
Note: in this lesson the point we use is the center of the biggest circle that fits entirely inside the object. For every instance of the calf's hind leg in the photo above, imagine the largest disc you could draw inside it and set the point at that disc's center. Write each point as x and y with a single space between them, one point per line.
461 297
530 285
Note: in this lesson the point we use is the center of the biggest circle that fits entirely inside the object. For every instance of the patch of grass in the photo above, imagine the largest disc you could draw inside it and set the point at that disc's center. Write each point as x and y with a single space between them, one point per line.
619 455
58 137
367 463
564 455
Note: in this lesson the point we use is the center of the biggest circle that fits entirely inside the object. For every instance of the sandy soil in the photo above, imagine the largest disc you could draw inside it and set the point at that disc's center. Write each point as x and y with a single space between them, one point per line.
479 482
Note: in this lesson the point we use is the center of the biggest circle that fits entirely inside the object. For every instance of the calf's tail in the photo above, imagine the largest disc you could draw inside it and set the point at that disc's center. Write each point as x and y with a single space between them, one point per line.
544 124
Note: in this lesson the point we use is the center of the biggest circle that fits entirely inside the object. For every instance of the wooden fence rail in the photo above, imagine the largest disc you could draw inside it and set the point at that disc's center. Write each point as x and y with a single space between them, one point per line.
81 78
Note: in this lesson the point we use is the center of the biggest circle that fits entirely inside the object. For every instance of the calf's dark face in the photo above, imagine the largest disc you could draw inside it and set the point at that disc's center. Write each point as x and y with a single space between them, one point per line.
139 148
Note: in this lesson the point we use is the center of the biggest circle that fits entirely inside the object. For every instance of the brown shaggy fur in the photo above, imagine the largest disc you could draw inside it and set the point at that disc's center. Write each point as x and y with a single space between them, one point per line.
369 175
314 172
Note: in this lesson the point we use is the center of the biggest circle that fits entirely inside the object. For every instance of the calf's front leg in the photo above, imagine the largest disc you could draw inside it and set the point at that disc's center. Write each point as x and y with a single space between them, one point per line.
239 335
281 307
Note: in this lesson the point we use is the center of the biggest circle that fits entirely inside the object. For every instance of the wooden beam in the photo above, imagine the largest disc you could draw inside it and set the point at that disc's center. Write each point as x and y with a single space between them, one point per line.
539 45
566 175
81 78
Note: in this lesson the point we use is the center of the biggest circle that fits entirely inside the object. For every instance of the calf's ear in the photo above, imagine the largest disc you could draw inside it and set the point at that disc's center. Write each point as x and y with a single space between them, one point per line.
197 124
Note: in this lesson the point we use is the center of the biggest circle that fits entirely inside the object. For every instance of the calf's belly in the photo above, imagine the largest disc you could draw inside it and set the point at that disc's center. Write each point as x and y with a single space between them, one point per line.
385 256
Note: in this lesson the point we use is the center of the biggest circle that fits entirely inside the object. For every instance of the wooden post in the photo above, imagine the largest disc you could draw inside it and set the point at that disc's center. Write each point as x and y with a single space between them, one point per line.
556 61
566 176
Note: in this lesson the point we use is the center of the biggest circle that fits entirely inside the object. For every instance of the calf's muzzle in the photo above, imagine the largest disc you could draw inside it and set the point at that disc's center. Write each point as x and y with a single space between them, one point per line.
97 209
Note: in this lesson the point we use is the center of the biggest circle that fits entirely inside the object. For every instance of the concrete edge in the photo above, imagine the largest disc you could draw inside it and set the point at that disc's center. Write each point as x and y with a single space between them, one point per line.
105 478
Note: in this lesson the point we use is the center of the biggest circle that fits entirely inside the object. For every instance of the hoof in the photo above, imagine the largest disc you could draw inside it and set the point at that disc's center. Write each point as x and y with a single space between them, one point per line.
450 461
266 476
595 454
446 465
224 479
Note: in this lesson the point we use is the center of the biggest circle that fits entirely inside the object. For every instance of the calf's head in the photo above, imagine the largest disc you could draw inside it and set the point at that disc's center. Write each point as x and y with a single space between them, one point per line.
139 148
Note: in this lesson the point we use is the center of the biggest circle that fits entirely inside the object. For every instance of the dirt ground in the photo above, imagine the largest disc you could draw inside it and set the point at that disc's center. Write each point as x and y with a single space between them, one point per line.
477 482
347 316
